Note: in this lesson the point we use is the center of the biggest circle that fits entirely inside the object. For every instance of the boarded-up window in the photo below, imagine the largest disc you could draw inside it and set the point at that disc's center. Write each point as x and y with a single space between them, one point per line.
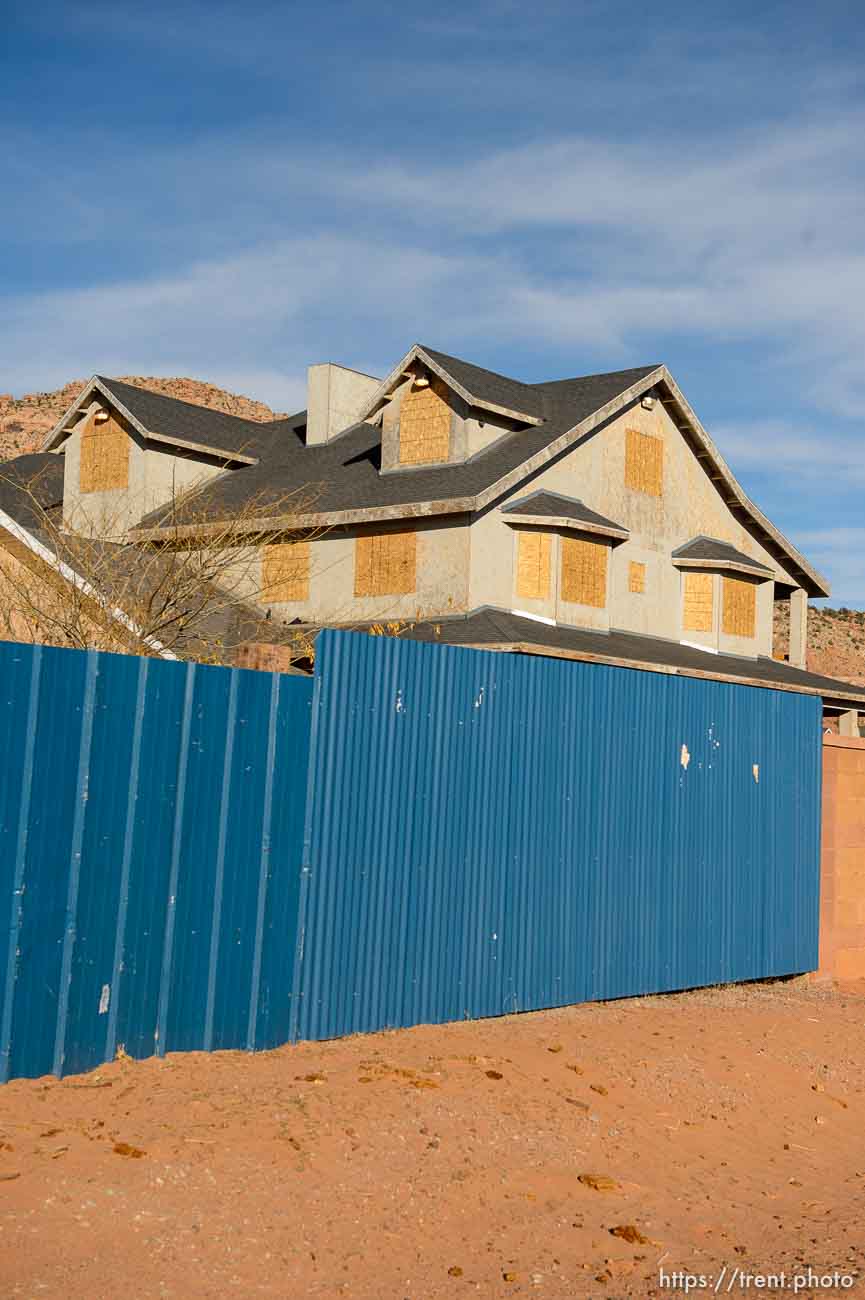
584 572
533 565
636 577
104 456
384 564
697 613
285 572
425 425
644 462
740 607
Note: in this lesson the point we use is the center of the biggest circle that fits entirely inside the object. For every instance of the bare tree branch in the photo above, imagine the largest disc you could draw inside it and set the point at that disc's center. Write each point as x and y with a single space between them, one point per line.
191 600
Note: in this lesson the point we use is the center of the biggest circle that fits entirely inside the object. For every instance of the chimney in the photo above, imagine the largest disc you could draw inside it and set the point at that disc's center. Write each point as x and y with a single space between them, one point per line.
335 396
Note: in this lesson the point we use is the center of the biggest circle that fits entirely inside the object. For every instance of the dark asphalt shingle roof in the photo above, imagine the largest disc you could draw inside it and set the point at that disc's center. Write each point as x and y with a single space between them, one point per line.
344 473
552 505
31 484
199 424
489 626
488 386
712 549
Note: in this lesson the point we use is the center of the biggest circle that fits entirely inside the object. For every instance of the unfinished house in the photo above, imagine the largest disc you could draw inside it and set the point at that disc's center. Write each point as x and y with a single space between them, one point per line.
590 517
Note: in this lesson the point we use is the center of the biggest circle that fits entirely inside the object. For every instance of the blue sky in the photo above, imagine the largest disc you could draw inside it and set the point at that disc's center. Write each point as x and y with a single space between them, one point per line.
234 191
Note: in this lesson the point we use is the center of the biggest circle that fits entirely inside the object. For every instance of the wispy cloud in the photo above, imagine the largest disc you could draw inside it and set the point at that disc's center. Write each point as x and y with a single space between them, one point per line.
548 195
790 454
839 552
763 240
261 316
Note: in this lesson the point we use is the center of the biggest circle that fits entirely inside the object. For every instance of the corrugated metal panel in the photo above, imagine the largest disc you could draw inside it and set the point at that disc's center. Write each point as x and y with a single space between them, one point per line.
196 857
151 818
490 833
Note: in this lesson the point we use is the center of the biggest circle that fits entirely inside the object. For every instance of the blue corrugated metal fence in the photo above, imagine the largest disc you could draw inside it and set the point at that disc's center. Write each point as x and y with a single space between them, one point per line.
198 857
492 832
151 820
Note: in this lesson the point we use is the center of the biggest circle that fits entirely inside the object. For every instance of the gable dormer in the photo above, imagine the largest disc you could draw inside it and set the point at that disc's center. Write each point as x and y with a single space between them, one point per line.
422 422
126 451
437 410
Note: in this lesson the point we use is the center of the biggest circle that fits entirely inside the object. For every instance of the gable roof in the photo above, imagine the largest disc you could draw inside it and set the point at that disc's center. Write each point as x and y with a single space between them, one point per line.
169 419
555 510
713 553
477 387
346 471
352 490
487 386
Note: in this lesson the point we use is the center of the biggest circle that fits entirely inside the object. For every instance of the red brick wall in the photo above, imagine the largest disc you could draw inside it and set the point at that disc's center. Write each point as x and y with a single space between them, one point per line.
842 883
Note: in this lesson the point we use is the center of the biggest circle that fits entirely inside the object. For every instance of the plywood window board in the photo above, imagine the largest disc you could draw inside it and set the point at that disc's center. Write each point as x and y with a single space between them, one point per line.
104 464
425 425
385 564
636 577
739 616
698 608
285 572
533 565
644 462
584 572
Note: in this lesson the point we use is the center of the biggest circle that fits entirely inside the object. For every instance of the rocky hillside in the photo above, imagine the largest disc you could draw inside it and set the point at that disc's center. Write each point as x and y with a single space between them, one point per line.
836 641
24 421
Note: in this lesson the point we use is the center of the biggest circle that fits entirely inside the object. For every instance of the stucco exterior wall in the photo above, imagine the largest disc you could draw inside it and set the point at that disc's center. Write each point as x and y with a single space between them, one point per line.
335 397
481 431
156 476
689 505
101 514
462 564
441 567
470 432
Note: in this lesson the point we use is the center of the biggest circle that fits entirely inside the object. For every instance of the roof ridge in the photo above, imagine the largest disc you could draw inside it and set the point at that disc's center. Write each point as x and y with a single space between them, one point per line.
597 374
497 374
195 406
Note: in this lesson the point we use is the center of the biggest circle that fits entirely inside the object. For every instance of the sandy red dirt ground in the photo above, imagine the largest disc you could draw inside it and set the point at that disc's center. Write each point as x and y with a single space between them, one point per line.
447 1161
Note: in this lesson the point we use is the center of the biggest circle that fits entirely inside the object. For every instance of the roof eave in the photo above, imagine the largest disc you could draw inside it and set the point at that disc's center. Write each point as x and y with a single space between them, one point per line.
228 457
675 670
815 583
55 436
736 566
565 521
304 522
96 384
